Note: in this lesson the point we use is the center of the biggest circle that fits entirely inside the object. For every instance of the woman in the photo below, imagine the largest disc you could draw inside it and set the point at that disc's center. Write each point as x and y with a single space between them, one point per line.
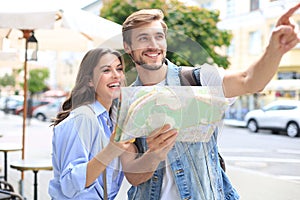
83 146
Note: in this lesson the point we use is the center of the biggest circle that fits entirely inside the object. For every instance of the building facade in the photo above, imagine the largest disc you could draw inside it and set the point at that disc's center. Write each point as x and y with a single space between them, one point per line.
251 23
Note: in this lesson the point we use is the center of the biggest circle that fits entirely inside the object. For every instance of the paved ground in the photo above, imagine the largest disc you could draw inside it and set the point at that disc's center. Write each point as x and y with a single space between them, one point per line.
250 185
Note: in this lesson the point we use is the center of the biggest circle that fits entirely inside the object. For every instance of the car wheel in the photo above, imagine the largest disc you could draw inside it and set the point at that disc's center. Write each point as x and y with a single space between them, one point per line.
252 126
41 117
292 129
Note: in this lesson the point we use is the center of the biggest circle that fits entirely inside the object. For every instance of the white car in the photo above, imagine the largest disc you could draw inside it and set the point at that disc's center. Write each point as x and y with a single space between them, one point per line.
49 111
281 115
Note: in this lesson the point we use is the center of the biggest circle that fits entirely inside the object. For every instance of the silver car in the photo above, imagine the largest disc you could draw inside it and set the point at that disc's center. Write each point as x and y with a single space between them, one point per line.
49 111
281 115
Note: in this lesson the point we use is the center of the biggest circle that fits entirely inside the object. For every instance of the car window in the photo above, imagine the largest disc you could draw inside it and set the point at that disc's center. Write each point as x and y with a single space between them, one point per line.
279 107
286 107
276 107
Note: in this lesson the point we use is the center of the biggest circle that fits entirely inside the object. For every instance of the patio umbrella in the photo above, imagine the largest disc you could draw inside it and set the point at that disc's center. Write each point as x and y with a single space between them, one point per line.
57 30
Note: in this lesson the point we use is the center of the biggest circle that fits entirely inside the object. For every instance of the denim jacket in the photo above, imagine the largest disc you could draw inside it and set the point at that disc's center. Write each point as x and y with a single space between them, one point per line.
195 166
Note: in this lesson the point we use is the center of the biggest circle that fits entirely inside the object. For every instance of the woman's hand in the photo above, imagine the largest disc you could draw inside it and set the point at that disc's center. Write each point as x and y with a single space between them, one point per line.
118 147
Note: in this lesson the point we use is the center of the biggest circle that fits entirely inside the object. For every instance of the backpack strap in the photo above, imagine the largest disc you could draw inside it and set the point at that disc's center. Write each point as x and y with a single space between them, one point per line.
190 76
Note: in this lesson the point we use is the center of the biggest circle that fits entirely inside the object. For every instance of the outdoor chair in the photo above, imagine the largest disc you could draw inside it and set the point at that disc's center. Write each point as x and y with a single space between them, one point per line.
7 191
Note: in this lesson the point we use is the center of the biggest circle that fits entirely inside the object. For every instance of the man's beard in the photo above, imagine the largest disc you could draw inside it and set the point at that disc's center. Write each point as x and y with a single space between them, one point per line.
146 66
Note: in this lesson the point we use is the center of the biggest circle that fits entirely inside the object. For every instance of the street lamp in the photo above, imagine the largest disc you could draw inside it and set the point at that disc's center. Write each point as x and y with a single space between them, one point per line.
32 47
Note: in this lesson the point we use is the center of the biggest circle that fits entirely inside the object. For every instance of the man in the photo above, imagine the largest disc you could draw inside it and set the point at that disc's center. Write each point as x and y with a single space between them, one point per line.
165 169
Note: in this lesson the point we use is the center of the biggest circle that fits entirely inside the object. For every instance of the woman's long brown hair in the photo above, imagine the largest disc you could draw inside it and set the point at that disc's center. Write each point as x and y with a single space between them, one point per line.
83 93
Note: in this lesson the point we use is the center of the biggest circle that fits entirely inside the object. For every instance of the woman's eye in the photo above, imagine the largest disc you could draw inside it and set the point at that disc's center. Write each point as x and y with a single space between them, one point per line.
120 68
106 70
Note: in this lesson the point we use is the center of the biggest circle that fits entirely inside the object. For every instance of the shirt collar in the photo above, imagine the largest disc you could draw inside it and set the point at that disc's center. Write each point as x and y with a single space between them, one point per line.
98 108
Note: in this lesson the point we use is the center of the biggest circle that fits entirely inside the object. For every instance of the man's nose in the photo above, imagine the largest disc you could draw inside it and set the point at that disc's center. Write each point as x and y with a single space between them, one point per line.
153 43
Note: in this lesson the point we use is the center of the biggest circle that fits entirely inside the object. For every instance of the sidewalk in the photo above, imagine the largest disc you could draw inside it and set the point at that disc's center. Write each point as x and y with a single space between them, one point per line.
249 184
37 147
234 122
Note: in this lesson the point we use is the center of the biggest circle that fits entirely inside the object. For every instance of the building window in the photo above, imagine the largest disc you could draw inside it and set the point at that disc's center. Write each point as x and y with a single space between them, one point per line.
254 5
255 42
230 7
288 75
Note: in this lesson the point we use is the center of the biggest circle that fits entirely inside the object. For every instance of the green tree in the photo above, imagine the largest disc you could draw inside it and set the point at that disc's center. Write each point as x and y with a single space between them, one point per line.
37 80
193 35
7 80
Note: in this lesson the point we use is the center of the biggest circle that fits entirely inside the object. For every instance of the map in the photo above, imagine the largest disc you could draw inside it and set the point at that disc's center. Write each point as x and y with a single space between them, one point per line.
194 111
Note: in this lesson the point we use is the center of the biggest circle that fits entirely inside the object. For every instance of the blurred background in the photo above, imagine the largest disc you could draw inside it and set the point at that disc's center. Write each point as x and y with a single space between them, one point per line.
260 139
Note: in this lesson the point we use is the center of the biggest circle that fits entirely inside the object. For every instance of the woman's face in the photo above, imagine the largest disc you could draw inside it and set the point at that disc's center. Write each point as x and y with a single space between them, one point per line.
107 78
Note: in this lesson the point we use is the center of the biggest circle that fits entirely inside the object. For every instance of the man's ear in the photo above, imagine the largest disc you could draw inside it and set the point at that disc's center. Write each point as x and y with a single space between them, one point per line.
127 48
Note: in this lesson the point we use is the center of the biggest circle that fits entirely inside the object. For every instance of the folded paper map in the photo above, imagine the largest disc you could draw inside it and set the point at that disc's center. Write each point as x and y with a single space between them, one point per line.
194 111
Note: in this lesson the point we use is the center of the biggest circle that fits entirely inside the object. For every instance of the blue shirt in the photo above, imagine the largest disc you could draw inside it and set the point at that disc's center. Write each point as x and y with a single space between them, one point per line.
76 140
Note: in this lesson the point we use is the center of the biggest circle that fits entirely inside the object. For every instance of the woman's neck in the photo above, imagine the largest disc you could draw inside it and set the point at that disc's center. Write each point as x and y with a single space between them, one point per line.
105 104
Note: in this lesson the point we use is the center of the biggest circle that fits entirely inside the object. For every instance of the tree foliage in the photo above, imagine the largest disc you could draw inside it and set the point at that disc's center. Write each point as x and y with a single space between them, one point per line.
37 80
193 36
7 80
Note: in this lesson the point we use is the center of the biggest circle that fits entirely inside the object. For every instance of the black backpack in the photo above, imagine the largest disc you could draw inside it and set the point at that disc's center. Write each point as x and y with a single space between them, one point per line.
191 76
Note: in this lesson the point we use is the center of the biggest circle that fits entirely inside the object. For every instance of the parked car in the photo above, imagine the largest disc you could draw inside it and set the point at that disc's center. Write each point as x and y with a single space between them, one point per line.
49 111
281 115
9 104
35 104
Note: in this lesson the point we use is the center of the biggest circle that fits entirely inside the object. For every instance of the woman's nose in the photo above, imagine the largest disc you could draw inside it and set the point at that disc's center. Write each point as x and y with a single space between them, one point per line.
116 73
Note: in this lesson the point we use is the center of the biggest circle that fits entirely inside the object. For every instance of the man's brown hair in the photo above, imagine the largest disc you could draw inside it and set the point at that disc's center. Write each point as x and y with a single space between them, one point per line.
139 18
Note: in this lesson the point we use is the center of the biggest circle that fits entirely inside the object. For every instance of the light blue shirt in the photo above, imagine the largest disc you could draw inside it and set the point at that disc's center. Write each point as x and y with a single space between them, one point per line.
76 140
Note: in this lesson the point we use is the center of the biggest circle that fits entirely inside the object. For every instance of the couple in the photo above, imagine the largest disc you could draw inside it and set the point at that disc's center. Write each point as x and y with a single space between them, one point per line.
88 164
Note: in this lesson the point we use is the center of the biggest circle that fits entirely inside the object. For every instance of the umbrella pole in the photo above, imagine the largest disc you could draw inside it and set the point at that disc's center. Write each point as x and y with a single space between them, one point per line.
26 35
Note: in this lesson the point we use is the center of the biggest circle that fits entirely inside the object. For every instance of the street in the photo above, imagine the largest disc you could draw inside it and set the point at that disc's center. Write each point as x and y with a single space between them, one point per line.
264 152
258 164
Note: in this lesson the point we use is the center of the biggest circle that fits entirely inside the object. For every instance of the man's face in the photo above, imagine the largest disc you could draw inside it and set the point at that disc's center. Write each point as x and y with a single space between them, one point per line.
148 46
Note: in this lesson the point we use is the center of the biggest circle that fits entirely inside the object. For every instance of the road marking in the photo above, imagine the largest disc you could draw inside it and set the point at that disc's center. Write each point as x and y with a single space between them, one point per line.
240 150
288 151
290 178
251 150
261 159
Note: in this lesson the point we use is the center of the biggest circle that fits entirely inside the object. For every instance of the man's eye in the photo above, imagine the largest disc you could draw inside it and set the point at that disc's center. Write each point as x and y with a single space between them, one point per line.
143 39
160 37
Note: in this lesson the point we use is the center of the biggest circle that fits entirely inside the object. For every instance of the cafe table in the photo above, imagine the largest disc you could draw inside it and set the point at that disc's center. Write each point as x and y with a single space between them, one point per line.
35 166
6 148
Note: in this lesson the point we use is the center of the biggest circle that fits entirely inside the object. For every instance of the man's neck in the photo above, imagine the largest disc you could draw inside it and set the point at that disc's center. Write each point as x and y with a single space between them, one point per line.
152 77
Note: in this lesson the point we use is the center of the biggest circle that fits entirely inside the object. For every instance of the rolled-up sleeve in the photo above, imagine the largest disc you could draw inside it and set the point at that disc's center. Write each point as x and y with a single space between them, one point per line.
73 140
